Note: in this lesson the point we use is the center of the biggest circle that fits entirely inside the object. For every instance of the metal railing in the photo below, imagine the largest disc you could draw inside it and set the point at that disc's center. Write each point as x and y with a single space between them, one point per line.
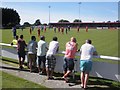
99 69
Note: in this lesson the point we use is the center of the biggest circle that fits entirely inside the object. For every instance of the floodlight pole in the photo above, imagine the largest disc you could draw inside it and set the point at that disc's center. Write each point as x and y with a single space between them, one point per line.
79 9
49 14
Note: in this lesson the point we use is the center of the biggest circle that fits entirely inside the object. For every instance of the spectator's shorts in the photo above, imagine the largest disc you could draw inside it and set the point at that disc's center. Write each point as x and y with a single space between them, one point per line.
41 59
31 57
21 54
85 65
68 64
50 62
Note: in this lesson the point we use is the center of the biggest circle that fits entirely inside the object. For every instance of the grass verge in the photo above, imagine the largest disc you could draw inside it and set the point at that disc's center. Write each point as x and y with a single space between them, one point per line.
12 82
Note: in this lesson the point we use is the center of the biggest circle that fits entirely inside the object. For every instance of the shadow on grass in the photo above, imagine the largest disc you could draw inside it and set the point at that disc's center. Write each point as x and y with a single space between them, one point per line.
12 61
13 68
15 62
94 83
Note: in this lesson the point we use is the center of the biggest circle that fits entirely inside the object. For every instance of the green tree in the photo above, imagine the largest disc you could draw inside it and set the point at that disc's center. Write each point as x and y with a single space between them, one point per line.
77 20
26 24
10 17
37 22
62 20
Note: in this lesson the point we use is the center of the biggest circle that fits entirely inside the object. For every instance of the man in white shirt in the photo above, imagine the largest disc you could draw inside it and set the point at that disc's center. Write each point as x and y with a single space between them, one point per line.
50 57
87 51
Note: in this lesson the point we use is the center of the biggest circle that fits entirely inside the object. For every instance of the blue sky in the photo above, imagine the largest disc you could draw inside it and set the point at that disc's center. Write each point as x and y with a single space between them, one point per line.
89 11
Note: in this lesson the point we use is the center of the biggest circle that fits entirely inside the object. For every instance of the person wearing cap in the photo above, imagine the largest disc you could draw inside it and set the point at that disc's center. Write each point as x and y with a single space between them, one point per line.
87 51
71 49
41 54
51 57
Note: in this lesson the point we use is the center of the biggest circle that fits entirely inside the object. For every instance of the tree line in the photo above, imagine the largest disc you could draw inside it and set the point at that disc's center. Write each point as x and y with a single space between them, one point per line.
10 18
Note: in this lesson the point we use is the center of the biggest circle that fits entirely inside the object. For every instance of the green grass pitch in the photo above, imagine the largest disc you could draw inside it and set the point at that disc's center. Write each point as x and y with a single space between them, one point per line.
105 41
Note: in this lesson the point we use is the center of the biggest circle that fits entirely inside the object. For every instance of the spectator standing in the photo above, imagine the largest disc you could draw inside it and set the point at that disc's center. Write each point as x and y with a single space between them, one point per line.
50 57
41 54
32 45
21 51
71 49
87 51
